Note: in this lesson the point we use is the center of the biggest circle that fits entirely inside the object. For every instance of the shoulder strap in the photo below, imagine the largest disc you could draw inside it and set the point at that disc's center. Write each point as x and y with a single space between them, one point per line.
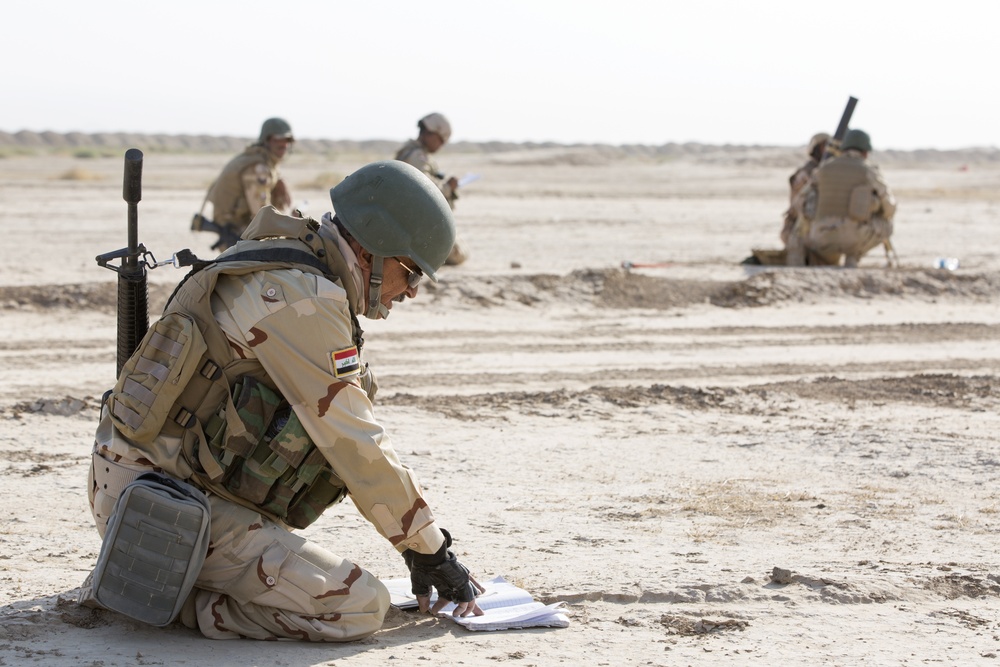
289 255
275 255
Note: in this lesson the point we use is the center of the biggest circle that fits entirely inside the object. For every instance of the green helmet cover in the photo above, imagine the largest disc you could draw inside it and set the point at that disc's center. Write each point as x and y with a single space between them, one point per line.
275 127
393 210
857 139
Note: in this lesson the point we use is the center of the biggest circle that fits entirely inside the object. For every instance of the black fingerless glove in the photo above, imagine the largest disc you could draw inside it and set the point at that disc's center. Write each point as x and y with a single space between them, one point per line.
440 570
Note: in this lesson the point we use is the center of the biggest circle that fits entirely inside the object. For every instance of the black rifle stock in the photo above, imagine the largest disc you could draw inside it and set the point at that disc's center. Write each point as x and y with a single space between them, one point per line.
833 146
227 237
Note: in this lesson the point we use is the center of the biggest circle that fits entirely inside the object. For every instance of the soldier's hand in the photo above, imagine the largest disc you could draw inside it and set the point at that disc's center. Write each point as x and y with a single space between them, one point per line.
442 571
281 198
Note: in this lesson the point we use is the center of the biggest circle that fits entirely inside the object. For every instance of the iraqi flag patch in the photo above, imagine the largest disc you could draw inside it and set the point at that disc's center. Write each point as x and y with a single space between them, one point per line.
346 362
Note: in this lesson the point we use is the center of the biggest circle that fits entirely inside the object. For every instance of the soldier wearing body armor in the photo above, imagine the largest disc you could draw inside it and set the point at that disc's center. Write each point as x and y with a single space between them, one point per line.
249 182
845 210
798 180
434 132
253 388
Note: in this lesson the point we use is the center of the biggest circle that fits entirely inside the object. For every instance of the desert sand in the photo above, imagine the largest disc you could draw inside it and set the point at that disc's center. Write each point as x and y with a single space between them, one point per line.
710 463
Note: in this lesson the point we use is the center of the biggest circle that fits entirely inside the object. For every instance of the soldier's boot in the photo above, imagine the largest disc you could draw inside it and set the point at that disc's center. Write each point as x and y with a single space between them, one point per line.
85 597
189 612
456 256
795 252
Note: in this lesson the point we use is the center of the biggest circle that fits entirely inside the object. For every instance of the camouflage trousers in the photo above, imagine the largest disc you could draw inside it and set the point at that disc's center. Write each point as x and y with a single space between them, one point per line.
827 240
260 580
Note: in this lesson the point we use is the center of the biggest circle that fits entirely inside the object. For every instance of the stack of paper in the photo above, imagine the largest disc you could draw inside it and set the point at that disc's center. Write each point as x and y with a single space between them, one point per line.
505 605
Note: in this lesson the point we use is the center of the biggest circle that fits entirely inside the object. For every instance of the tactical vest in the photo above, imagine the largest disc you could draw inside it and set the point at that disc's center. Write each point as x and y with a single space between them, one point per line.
226 194
838 181
240 437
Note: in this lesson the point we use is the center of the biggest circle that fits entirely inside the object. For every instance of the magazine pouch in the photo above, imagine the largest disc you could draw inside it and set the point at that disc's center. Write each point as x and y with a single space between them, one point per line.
268 458
155 376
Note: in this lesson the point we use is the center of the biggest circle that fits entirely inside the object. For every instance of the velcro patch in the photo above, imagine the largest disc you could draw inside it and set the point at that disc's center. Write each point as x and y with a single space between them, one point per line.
346 362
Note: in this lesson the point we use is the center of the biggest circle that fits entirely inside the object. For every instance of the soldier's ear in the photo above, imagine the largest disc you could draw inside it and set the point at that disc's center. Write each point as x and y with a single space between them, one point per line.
364 257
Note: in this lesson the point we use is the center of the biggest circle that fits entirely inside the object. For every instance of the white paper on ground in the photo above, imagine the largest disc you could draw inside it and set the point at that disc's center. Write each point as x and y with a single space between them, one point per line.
506 606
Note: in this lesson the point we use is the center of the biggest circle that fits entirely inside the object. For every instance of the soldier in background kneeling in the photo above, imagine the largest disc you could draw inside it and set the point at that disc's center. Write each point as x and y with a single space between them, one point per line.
844 211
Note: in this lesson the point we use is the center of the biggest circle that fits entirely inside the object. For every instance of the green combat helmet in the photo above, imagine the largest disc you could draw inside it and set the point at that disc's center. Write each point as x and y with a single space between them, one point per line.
275 127
858 140
393 210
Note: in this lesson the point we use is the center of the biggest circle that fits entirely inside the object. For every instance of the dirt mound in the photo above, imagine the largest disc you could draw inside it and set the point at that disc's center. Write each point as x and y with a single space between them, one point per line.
939 390
813 285
616 288
81 296
604 288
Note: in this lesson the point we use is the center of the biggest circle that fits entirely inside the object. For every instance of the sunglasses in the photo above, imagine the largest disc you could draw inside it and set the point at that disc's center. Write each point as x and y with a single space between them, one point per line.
413 275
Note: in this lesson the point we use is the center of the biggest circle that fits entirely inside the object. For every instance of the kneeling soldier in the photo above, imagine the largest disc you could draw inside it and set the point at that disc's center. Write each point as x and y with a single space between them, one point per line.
253 389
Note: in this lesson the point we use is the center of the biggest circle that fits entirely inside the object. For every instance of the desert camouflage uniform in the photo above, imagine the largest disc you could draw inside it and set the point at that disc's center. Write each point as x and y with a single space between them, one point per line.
244 187
259 579
796 182
849 209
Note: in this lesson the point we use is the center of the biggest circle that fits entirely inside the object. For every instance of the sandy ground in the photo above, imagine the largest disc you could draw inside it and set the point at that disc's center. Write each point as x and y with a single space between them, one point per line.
710 463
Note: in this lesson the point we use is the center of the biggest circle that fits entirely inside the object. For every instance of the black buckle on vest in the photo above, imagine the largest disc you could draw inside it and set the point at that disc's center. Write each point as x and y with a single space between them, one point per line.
185 418
211 370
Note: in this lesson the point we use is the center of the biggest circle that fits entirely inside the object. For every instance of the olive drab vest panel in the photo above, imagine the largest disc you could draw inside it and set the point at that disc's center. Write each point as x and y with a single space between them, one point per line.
238 434
835 182
227 193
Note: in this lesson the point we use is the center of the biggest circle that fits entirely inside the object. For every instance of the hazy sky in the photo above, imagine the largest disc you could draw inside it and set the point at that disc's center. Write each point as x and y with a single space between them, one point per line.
622 71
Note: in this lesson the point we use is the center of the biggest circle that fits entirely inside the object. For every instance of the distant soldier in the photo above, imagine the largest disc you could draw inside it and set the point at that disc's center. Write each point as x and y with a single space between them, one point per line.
253 388
435 131
249 182
845 210
798 180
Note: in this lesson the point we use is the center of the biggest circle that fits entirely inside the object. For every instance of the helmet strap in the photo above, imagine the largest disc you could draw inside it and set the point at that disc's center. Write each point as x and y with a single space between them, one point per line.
376 310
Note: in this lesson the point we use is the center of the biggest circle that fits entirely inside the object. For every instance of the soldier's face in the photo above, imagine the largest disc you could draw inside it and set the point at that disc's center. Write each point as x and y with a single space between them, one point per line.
432 141
278 146
400 279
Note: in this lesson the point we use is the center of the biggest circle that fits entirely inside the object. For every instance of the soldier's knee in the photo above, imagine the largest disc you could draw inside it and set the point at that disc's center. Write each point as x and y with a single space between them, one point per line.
359 621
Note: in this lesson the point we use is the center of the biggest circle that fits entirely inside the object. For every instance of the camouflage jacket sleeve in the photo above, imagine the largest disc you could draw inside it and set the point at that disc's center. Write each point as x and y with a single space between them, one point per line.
258 181
298 327
799 179
804 201
887 200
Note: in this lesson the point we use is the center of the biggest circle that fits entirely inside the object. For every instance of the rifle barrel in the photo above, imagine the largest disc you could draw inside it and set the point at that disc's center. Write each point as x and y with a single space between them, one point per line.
845 118
133 311
132 193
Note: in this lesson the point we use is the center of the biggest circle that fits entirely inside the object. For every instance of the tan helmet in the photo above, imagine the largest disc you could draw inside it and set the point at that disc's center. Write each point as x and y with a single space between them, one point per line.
436 123
275 127
817 139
